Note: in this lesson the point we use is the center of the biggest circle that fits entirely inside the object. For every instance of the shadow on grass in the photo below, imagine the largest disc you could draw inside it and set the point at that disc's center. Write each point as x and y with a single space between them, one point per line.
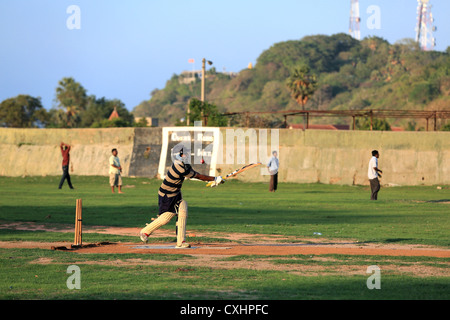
394 240
439 201
136 216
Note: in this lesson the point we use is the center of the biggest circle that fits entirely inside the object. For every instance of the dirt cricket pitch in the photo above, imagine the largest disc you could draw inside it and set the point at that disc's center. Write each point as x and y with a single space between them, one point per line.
237 244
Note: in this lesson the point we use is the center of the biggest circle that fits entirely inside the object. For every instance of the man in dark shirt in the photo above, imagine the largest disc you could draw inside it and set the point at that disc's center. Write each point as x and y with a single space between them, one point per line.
170 200
65 149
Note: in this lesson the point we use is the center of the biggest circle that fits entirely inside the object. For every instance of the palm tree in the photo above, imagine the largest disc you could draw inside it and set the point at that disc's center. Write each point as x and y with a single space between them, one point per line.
72 97
302 84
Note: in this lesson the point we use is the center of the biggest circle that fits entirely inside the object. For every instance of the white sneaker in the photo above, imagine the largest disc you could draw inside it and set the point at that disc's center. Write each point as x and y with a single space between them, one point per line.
144 237
184 244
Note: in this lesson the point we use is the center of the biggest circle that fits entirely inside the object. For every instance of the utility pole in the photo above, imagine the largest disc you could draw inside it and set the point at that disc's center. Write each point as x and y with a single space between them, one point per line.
203 77
203 80
202 97
188 113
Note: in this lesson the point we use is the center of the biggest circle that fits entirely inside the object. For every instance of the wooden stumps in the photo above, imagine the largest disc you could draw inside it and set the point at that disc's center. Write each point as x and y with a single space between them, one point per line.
77 242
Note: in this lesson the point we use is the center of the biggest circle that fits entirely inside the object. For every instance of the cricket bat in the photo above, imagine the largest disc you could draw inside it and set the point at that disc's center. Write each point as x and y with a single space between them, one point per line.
236 172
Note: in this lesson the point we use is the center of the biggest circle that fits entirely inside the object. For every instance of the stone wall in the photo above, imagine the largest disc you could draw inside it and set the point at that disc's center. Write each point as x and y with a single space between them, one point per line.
331 157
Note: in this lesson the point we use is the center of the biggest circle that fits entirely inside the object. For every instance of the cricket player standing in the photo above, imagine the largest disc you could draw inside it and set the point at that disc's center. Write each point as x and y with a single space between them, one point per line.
170 200
373 174
273 166
115 171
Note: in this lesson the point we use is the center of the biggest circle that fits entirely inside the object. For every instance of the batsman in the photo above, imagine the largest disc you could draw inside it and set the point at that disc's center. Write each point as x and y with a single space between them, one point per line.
170 200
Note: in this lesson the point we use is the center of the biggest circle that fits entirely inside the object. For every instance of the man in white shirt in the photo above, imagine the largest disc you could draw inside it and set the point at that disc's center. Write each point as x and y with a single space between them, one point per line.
115 177
373 174
273 166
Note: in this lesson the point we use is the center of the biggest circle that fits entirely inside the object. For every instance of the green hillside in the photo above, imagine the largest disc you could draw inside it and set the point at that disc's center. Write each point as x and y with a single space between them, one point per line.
351 74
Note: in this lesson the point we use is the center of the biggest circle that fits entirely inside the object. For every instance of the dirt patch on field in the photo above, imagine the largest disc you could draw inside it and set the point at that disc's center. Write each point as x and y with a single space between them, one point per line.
259 252
231 244
306 268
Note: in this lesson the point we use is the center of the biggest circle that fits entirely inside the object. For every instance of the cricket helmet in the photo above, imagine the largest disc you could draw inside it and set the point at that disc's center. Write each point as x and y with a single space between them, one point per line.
182 152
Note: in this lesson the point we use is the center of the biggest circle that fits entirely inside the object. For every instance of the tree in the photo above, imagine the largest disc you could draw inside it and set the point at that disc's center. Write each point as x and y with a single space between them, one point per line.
377 124
99 110
72 98
446 127
424 92
23 111
106 123
142 123
211 115
302 84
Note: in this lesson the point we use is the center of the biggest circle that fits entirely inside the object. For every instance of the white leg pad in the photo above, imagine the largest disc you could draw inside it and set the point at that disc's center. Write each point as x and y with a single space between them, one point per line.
158 223
182 217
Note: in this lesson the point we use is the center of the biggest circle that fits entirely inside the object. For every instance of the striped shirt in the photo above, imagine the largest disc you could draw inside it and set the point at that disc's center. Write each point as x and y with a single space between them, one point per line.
173 181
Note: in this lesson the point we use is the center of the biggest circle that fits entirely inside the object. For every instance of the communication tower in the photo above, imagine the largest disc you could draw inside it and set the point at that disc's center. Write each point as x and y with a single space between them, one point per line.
355 20
425 28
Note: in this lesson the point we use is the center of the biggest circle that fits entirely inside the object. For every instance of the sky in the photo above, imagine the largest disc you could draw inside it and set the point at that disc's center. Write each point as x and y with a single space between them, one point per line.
126 49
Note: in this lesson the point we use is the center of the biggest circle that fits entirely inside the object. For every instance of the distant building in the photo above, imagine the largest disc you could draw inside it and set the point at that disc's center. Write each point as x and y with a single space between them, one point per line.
114 114
187 77
151 122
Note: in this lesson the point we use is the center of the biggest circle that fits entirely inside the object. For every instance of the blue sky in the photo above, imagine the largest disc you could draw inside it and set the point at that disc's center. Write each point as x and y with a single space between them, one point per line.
125 49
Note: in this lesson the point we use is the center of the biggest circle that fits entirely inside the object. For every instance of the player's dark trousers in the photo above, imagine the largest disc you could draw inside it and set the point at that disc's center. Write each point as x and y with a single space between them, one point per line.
65 176
374 187
273 182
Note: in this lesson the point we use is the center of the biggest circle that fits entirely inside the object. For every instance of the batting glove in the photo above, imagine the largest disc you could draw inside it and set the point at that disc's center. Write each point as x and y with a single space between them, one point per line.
217 180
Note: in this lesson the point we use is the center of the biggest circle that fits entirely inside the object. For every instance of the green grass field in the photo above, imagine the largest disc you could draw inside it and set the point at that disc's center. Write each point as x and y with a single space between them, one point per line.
402 215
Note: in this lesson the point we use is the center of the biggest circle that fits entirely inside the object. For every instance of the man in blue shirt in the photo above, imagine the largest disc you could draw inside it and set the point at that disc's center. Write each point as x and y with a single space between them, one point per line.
273 166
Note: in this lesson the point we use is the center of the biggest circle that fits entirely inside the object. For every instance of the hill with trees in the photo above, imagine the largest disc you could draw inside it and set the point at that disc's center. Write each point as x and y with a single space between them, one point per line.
349 74
317 72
